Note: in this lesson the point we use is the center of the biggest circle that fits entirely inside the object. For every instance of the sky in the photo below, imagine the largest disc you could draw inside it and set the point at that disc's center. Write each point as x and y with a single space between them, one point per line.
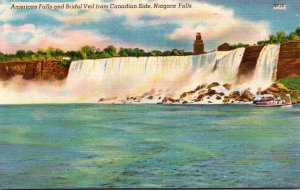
219 21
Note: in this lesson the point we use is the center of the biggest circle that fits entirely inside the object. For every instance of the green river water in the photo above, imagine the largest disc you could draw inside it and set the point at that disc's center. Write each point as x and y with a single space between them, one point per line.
94 145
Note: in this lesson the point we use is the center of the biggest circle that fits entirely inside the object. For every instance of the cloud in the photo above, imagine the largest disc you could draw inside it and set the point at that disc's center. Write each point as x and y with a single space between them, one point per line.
215 22
29 37
219 23
14 37
77 27
6 14
73 39
75 17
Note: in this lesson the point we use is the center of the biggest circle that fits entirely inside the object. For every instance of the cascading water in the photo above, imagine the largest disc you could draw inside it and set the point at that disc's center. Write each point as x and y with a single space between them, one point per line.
126 76
121 77
265 70
129 75
227 67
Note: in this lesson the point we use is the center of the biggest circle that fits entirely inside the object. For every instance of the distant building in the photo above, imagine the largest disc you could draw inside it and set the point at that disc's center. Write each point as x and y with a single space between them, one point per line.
198 45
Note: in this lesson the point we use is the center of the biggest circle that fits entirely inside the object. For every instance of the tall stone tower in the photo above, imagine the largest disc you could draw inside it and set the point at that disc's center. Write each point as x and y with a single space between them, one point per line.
198 45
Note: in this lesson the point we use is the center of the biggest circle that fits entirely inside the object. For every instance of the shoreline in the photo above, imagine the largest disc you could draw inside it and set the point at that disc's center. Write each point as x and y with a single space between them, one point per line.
141 104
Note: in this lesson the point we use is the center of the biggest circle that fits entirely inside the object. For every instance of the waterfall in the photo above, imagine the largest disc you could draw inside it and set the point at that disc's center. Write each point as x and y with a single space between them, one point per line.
123 77
205 61
267 63
139 69
265 70
227 67
131 67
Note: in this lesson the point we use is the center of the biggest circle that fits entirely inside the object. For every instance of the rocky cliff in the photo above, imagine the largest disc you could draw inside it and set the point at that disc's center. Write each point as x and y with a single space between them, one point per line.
45 70
289 60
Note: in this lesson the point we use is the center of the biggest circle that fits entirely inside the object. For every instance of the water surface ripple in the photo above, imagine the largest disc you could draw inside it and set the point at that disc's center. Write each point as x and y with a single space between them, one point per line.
92 145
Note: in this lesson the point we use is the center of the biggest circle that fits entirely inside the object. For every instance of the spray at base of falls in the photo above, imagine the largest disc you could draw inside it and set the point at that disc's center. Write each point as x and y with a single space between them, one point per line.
150 79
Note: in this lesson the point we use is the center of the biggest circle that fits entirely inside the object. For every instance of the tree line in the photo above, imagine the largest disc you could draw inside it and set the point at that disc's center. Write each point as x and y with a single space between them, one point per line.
85 52
91 52
281 37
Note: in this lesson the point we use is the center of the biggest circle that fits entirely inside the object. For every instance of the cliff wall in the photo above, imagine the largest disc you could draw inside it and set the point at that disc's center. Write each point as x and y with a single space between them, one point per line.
289 60
45 70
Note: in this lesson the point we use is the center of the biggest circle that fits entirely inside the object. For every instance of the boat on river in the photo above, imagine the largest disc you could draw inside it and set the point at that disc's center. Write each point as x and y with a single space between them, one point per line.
268 100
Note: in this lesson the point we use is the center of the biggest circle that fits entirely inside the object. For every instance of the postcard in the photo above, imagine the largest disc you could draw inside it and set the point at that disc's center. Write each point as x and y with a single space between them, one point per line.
149 94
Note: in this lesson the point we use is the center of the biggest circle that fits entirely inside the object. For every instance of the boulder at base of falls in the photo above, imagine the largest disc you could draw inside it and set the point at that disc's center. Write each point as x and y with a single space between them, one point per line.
247 96
227 99
101 100
276 89
150 97
279 90
227 86
200 87
187 94
183 95
169 100
213 85
233 96
150 93
210 92
199 98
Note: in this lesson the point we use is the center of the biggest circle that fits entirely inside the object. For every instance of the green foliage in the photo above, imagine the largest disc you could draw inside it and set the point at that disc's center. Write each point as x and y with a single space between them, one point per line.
82 54
167 53
65 63
291 83
42 52
111 50
294 36
30 53
87 51
54 52
155 53
20 53
104 55
123 52
74 55
136 52
239 45
297 31
2 57
281 37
